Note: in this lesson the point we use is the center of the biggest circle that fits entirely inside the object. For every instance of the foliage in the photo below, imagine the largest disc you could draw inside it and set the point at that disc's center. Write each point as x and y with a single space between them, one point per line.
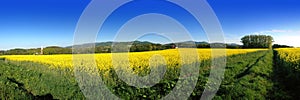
56 50
105 60
17 52
250 74
53 74
257 41
27 80
248 78
106 47
2 52
288 67
281 46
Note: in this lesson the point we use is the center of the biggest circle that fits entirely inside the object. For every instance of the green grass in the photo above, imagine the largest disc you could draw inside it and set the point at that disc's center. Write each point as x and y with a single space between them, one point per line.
36 81
287 78
247 76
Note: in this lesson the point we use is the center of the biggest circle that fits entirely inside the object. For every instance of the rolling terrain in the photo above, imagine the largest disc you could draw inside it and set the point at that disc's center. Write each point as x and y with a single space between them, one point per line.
250 73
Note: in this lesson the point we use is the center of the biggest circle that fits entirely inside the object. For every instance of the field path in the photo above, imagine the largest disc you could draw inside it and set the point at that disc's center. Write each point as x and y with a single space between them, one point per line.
249 66
283 88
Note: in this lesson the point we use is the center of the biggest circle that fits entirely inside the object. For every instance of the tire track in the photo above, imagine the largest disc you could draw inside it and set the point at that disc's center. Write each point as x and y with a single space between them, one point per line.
246 70
248 67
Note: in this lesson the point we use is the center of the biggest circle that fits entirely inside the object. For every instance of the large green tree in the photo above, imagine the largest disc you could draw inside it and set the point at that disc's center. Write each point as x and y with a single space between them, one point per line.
2 52
257 41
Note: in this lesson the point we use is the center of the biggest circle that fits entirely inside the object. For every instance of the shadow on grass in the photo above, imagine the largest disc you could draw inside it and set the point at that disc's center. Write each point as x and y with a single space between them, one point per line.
286 83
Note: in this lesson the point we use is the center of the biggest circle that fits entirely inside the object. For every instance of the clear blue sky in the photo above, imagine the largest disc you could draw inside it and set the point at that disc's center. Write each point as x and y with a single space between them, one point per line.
36 23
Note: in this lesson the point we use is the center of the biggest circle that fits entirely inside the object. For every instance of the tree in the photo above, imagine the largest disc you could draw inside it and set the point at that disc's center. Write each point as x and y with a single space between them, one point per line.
17 51
2 52
257 41
281 46
57 50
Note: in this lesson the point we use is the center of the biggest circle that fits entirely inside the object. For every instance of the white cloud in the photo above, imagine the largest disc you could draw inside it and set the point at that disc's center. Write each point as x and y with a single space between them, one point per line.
276 31
288 40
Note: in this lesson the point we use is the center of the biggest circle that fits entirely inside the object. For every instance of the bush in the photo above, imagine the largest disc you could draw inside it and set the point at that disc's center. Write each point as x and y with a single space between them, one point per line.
2 58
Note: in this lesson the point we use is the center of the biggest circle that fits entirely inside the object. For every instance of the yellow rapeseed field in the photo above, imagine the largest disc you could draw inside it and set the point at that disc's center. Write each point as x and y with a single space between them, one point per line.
137 59
289 55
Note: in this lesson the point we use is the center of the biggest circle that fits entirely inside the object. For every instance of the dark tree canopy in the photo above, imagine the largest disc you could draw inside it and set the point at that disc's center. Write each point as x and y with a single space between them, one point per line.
106 47
281 46
2 52
257 41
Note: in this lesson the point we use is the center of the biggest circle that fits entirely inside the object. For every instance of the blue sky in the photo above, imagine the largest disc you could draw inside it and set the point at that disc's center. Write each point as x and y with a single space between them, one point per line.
36 23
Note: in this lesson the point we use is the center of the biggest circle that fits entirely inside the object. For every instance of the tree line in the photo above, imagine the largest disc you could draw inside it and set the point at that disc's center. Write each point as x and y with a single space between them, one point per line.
37 51
249 41
260 41
106 47
257 41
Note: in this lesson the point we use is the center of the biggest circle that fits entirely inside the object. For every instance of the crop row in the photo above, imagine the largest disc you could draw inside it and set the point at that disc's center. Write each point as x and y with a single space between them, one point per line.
53 75
287 65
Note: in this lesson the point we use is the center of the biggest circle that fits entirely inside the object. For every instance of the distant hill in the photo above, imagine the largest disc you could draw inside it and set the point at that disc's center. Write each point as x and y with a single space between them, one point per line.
106 47
111 43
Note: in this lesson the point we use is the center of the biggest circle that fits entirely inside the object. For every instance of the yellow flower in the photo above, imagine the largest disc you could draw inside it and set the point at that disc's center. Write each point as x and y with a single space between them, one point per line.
137 60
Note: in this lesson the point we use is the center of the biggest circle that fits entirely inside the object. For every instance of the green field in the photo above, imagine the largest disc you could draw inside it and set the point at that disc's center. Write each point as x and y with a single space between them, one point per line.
255 75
